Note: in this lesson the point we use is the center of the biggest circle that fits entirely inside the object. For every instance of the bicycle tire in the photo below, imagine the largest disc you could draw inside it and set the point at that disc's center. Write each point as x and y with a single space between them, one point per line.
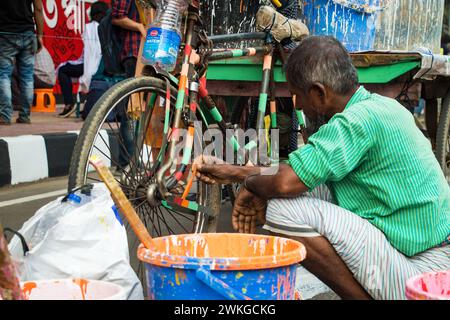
443 136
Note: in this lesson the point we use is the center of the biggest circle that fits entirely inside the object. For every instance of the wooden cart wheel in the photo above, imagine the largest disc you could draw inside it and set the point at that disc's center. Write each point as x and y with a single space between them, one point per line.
443 137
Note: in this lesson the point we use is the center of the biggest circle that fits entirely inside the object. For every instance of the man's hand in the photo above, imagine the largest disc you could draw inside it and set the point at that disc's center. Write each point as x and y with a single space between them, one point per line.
142 30
39 22
211 170
248 210
40 43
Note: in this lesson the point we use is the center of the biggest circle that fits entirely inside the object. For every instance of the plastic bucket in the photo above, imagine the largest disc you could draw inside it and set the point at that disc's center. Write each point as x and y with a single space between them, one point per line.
429 286
72 289
222 266
352 22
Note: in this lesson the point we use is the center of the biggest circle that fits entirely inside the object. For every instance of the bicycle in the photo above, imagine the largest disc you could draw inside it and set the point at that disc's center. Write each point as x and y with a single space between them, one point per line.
145 177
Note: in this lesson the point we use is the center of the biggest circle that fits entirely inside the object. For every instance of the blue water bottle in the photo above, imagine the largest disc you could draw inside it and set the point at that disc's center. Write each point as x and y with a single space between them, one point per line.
163 35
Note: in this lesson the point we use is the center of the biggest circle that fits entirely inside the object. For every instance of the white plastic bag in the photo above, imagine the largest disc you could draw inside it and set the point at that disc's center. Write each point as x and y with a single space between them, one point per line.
88 242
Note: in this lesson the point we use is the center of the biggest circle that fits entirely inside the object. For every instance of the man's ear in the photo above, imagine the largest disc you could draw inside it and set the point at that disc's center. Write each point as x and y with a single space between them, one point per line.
318 94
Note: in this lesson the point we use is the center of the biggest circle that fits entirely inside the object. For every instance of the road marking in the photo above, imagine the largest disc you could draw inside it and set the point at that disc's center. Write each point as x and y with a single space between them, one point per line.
33 198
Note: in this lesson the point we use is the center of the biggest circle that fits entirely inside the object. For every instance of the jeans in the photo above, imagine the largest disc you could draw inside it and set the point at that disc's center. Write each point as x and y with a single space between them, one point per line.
126 127
65 75
22 48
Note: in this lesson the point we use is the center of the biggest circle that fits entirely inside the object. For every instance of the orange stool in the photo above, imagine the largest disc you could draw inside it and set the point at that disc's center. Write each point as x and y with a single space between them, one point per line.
40 104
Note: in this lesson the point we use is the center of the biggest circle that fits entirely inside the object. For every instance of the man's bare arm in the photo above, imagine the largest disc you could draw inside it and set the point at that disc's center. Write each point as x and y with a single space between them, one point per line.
39 21
284 184
127 23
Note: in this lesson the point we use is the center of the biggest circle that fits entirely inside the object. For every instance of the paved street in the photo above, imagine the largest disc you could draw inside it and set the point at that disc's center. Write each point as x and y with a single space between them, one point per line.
19 203
42 123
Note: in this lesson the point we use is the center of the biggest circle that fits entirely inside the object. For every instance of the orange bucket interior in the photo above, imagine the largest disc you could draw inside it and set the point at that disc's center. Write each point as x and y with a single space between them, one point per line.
224 251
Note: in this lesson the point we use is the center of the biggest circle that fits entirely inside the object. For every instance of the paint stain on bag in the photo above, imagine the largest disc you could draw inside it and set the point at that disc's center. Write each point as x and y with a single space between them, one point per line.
27 288
82 283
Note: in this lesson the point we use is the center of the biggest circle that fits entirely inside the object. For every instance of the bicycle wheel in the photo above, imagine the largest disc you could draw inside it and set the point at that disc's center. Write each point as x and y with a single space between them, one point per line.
443 137
118 129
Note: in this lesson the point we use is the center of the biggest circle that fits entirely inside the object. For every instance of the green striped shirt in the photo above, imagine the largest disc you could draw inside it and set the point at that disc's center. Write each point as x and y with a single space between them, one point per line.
379 165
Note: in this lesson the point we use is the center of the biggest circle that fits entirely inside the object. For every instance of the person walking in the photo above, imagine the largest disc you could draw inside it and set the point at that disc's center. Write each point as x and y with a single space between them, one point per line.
126 16
21 32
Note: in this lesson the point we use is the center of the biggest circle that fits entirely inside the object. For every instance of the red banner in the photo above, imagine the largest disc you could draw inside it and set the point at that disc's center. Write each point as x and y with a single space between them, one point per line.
64 24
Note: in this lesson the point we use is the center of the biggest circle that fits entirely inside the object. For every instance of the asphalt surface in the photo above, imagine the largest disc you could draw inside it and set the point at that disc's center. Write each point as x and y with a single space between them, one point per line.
19 203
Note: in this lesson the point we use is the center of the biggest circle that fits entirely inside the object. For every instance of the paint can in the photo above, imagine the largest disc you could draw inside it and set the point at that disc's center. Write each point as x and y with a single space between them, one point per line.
222 266
72 289
429 286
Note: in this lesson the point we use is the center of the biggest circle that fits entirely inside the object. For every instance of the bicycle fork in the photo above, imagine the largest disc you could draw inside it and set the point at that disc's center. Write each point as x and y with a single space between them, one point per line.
181 97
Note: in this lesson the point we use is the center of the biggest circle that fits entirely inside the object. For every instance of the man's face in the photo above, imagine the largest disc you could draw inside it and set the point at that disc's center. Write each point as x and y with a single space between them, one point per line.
304 102
313 107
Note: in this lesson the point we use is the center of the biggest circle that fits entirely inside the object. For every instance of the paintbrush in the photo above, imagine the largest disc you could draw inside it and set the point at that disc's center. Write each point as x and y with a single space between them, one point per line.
122 202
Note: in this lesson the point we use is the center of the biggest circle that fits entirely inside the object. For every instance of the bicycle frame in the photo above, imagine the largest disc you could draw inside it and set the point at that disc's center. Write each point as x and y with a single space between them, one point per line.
192 88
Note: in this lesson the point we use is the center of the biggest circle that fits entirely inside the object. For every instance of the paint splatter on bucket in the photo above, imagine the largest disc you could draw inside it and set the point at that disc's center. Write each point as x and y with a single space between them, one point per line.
72 289
222 266
429 286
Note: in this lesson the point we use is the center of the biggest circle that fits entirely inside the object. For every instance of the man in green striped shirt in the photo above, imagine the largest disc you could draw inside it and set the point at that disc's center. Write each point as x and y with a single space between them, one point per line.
365 195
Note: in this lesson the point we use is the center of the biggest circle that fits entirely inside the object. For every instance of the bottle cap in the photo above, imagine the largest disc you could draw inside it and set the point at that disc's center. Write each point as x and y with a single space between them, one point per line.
73 197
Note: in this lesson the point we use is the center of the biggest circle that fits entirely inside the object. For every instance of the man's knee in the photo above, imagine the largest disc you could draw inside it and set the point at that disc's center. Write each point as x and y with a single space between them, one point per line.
6 70
275 205
291 209
26 73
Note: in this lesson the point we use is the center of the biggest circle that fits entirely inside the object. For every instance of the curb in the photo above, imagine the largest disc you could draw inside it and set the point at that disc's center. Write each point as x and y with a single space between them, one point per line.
31 158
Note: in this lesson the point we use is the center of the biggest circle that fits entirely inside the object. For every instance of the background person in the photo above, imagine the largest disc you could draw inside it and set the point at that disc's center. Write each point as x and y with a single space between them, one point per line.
44 75
126 16
85 66
19 42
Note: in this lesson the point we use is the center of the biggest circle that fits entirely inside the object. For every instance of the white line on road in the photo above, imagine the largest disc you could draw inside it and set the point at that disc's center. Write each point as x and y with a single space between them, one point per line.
33 198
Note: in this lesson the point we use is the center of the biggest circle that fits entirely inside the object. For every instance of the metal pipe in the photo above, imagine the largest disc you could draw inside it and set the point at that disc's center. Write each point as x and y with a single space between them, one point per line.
236 37
235 53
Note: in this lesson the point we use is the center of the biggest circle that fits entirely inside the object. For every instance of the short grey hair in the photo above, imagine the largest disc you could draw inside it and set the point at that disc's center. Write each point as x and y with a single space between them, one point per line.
321 59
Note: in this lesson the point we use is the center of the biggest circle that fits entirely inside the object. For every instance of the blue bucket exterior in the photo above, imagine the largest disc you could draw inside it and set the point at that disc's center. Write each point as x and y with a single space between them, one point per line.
167 283
354 27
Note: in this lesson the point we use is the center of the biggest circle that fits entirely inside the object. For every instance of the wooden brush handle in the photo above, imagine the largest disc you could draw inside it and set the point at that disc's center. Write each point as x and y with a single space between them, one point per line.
122 202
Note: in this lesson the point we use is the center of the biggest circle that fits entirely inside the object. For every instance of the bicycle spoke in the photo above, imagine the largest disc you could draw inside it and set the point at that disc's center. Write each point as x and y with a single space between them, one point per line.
177 221
96 180
164 220
138 198
152 219
138 149
122 144
184 215
129 177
